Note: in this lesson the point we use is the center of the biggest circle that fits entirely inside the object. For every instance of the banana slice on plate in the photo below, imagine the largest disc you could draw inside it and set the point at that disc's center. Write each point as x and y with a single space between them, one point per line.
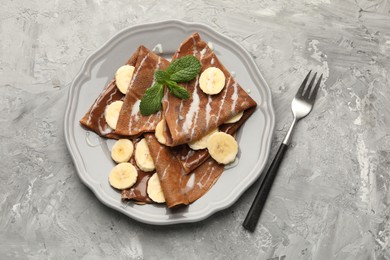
154 190
122 150
159 133
212 81
123 176
235 118
202 142
143 158
111 113
123 77
222 147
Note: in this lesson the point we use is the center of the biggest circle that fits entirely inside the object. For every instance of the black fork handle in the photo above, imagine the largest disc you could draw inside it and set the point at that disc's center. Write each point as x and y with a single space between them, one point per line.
254 212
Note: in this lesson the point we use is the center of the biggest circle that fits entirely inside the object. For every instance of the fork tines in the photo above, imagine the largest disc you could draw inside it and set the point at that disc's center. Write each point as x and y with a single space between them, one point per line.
309 92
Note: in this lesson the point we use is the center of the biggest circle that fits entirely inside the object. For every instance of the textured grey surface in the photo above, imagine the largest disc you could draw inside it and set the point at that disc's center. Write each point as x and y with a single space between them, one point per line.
330 199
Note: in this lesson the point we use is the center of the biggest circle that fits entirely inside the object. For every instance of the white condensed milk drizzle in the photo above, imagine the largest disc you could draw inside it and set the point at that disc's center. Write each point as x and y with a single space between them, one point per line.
135 112
193 111
158 48
92 140
223 99
234 97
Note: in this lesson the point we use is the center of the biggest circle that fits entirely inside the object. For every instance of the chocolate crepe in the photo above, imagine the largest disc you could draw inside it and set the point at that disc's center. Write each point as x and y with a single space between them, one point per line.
170 172
189 119
191 159
94 119
131 122
180 188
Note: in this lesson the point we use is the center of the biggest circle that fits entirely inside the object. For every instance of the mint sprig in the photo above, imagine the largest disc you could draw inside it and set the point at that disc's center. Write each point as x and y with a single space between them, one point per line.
181 70
151 100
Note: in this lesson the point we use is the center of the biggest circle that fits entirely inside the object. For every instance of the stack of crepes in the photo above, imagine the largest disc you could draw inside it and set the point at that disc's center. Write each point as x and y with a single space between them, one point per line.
184 174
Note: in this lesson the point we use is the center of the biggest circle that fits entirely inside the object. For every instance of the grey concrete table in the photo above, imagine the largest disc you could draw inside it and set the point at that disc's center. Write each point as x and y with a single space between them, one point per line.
331 197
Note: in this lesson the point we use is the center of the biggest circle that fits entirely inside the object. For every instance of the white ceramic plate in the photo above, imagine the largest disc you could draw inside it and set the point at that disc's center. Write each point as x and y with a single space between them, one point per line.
91 154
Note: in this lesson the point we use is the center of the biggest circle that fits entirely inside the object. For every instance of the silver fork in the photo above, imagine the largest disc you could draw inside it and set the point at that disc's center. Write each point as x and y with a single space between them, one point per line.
301 106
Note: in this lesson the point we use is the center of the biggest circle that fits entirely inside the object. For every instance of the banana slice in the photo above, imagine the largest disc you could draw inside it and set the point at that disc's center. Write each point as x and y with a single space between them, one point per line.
159 133
222 147
202 142
235 118
123 176
143 158
212 81
123 77
111 113
122 150
154 190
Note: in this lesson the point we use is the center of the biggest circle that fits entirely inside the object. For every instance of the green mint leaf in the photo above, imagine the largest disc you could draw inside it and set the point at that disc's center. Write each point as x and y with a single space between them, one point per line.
161 76
151 100
184 69
177 90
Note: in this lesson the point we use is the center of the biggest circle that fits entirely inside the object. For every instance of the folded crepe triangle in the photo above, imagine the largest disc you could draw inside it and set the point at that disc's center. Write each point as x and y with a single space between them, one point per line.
169 171
130 122
178 187
94 118
192 159
190 119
